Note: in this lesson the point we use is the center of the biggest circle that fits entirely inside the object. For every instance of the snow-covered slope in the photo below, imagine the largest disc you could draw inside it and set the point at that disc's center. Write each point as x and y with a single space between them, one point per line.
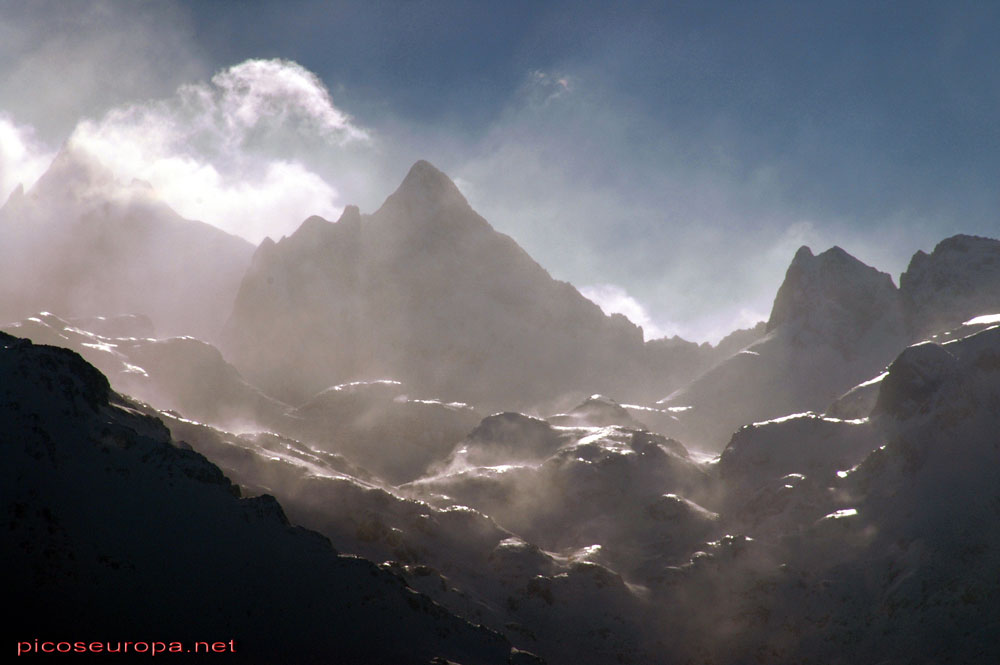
891 561
597 411
115 531
565 605
799 445
921 549
603 490
396 435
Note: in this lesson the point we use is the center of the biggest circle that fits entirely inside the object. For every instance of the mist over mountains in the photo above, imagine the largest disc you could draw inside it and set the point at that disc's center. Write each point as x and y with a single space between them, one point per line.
426 292
526 478
79 243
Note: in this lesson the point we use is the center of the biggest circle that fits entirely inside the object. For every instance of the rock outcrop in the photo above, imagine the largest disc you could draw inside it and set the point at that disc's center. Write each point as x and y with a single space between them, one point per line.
956 282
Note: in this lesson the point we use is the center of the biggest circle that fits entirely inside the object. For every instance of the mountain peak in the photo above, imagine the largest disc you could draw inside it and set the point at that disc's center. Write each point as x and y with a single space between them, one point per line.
833 259
964 242
73 171
425 191
832 280
802 255
423 173
957 281
351 215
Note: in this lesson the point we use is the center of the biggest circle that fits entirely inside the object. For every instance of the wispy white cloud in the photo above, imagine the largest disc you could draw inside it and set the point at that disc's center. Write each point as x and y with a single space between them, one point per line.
613 299
227 151
276 92
543 87
22 157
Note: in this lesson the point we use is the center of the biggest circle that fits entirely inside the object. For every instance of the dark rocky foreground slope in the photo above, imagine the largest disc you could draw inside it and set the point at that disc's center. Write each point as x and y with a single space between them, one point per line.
115 531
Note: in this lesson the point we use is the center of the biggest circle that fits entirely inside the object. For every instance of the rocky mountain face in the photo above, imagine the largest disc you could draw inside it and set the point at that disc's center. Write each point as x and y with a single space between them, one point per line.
832 295
114 528
957 281
80 244
424 291
835 322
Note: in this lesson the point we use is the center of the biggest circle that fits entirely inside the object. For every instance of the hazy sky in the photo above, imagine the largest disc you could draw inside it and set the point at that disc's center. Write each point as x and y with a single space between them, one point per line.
668 160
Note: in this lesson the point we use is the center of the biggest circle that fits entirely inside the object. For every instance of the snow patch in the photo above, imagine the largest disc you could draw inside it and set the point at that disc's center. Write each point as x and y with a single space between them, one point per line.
985 320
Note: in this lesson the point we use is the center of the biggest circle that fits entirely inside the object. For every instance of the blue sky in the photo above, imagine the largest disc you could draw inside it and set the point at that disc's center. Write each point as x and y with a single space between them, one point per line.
666 158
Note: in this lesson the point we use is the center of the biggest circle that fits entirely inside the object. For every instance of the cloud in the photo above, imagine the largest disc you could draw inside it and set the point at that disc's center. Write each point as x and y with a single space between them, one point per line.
544 87
276 92
614 299
22 157
231 151
711 327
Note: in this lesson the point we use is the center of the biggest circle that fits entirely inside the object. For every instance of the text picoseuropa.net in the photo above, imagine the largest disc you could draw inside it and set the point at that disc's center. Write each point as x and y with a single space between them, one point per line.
150 648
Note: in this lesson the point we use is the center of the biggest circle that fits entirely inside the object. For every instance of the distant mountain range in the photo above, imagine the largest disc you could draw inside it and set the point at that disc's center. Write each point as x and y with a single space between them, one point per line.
527 479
